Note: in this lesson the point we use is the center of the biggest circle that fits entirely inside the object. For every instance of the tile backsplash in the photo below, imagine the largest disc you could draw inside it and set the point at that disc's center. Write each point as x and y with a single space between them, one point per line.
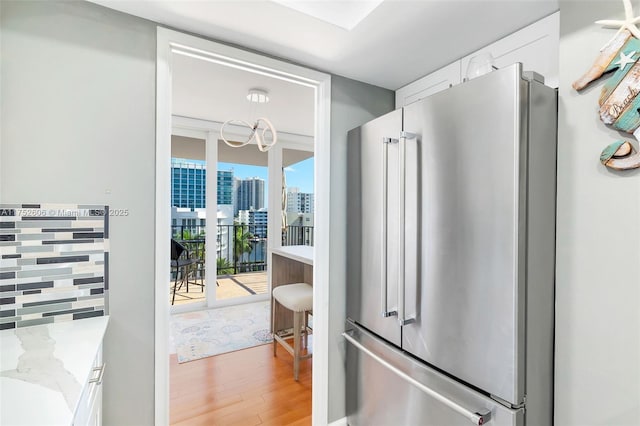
54 263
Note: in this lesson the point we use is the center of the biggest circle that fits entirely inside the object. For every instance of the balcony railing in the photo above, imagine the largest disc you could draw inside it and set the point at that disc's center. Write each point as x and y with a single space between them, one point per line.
240 248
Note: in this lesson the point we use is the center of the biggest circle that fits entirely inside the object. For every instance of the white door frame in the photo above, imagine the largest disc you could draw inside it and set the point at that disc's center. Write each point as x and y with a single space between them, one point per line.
170 42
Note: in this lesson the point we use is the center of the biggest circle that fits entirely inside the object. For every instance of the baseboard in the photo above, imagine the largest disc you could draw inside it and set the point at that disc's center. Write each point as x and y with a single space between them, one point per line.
340 422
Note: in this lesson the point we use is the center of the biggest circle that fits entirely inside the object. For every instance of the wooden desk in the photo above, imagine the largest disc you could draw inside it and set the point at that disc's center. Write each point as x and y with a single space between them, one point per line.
289 265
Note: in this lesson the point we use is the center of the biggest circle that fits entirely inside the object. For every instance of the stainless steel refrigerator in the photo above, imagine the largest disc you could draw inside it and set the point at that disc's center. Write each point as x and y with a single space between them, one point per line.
451 248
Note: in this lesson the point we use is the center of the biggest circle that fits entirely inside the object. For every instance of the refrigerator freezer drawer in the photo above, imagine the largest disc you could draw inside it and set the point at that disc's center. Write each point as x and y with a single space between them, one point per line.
385 387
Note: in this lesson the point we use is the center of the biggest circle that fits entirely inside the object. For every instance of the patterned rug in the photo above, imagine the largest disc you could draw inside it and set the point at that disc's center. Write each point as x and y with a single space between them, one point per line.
211 332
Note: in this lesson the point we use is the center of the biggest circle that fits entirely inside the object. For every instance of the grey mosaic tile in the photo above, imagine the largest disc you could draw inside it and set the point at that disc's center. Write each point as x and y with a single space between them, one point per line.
50 242
38 321
31 237
106 270
91 280
49 302
70 311
62 259
57 223
34 249
45 248
88 315
7 326
44 272
35 285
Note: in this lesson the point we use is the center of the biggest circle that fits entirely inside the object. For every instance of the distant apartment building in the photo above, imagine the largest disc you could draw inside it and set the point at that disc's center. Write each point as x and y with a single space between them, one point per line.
226 193
189 194
188 183
299 202
250 194
257 221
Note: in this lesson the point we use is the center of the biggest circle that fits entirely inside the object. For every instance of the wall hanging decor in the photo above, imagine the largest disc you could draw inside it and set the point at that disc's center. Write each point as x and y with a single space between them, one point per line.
619 101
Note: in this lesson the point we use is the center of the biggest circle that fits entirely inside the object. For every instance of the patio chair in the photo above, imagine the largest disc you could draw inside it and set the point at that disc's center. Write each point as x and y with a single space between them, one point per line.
182 261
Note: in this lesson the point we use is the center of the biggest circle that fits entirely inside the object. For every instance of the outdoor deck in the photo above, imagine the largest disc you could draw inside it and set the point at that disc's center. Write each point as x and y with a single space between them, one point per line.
230 286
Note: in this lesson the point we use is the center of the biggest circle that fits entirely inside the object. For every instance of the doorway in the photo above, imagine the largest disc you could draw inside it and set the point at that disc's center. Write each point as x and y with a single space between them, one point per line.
170 43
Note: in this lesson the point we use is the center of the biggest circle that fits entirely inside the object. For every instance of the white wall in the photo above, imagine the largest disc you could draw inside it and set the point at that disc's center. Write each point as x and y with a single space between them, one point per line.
78 102
352 104
598 244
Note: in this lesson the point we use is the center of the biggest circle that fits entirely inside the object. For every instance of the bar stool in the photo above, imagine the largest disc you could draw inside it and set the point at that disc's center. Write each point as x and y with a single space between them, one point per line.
299 299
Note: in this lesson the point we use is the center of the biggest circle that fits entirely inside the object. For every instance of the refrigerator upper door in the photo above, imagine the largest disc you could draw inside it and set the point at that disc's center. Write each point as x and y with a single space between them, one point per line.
373 224
465 231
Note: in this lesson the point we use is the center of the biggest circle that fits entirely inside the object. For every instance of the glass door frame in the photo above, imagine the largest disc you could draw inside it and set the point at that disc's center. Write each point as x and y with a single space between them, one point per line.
209 131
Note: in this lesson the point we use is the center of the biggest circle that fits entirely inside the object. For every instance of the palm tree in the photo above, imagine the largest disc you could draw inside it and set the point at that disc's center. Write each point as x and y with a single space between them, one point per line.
223 266
241 242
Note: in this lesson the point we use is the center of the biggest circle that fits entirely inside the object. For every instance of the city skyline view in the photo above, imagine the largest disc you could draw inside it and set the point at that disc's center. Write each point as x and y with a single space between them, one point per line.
299 175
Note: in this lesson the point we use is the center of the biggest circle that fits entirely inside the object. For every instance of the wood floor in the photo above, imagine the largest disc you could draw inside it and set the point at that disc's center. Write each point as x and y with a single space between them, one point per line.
229 286
245 388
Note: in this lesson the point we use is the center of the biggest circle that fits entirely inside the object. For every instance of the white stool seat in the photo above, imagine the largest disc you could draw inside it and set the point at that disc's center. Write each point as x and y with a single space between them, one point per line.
298 298
295 297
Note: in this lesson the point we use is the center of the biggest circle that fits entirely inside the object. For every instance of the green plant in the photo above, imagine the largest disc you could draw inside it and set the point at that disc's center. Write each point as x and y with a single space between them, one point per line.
241 242
223 266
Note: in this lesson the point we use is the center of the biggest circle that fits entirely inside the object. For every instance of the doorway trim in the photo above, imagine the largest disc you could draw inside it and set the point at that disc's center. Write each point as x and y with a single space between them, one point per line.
168 43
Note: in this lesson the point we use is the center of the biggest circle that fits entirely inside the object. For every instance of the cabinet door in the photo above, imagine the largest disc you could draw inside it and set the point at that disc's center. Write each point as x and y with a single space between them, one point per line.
428 85
534 46
89 410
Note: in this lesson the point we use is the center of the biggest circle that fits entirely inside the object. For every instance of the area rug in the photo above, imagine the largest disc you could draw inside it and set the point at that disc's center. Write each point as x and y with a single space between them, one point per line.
215 331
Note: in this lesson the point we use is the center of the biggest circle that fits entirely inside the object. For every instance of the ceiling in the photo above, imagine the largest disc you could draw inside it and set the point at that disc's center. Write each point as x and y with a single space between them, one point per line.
194 149
216 92
396 43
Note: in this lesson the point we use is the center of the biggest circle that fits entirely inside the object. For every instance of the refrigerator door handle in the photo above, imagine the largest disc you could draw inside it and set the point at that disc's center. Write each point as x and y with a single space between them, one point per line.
402 314
383 272
475 418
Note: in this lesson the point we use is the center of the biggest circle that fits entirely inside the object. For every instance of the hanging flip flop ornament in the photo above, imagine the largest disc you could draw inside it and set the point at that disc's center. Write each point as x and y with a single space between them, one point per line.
619 101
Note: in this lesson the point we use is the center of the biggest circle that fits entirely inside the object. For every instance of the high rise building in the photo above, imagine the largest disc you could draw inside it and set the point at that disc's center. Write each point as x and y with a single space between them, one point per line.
189 183
250 195
299 202
225 187
257 220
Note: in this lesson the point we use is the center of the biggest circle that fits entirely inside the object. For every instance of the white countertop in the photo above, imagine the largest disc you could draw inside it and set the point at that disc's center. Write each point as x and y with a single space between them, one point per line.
43 369
302 254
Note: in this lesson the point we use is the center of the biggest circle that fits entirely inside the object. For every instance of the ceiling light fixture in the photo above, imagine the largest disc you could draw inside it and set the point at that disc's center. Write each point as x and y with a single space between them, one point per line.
258 96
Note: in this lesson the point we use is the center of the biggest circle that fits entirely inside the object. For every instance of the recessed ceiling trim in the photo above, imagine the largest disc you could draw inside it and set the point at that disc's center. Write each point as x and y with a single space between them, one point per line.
344 14
239 64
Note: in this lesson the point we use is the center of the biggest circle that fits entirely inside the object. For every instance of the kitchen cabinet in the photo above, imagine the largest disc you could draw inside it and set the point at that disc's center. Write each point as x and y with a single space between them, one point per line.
433 83
51 374
89 410
533 45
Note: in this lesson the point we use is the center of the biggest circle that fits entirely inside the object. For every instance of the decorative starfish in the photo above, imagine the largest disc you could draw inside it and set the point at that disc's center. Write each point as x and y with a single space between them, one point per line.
626 59
629 22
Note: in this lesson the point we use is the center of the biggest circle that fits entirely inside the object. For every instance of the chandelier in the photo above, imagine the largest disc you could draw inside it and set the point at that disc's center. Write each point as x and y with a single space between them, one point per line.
259 130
